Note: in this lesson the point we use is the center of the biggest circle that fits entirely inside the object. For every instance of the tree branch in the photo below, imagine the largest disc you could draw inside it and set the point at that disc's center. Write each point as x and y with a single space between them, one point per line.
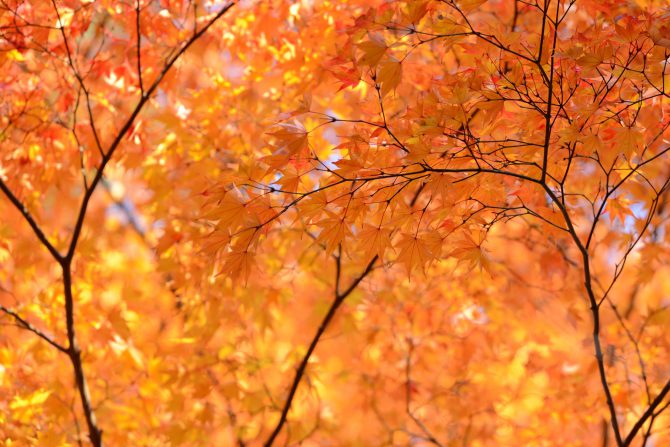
339 299
94 432
29 218
647 414
73 350
26 325
107 156
139 44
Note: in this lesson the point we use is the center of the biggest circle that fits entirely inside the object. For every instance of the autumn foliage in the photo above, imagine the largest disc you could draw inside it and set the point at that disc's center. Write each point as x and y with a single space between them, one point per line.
334 222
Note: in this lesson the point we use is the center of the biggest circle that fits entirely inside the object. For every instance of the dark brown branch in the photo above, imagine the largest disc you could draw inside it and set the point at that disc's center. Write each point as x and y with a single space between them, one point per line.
94 432
595 313
139 44
26 325
383 114
337 302
29 218
73 350
647 414
127 126
80 79
550 89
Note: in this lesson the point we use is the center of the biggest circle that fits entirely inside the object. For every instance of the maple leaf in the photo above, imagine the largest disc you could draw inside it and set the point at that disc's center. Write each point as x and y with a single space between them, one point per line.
590 61
416 10
472 253
628 141
238 265
619 209
374 241
215 242
415 251
333 232
348 77
314 205
230 212
659 30
389 76
469 5
373 50
292 138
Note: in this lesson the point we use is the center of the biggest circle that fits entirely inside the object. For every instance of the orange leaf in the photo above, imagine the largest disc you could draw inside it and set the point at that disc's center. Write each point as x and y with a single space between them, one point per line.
414 252
238 264
333 232
389 76
292 138
373 50
374 241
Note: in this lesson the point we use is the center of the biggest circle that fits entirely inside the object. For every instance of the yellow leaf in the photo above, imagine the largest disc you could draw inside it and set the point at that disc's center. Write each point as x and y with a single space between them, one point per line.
65 16
15 55
36 398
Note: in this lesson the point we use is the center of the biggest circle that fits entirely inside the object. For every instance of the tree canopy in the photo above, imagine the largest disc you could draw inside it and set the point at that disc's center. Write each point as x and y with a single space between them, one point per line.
334 222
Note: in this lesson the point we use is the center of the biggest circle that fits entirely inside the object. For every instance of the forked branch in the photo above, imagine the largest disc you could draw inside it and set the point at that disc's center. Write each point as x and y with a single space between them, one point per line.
65 261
